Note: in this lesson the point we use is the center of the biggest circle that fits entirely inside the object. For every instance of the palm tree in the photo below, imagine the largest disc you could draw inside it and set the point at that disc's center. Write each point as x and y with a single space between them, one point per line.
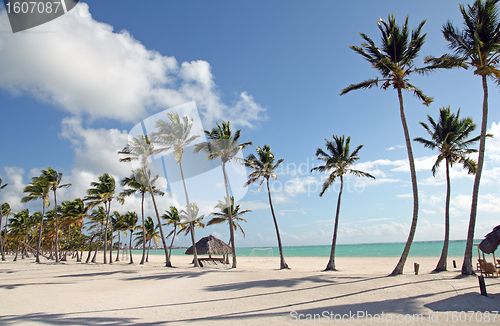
137 183
190 221
476 47
74 213
95 225
4 211
224 145
450 137
176 134
103 192
263 168
1 218
223 216
338 161
394 60
152 234
140 148
130 219
117 220
54 180
38 189
19 227
172 217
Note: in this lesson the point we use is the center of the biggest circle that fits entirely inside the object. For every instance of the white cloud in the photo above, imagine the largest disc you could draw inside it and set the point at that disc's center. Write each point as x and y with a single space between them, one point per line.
395 147
13 193
84 67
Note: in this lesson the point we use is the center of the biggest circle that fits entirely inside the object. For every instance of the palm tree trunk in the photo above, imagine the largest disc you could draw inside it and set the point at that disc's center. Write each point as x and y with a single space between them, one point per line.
193 239
108 208
17 250
4 240
173 238
118 251
111 247
467 268
143 231
442 264
283 264
39 243
57 228
231 231
398 270
149 247
1 237
131 258
167 258
331 263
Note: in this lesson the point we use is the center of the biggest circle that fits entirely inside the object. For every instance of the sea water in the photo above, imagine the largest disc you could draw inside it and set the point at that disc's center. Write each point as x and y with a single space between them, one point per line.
418 249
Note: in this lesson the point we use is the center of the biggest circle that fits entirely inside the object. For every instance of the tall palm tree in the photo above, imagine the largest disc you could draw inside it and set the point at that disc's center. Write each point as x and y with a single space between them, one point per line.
450 137
223 215
38 188
140 148
223 144
2 186
130 219
137 183
103 192
74 213
176 134
338 162
394 60
4 211
263 168
477 46
54 180
172 217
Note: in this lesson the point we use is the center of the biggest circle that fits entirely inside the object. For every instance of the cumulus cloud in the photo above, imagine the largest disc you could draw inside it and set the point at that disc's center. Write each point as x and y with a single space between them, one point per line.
85 68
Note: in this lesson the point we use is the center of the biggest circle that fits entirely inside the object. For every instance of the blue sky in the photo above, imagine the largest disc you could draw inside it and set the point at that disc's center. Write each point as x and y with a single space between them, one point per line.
72 89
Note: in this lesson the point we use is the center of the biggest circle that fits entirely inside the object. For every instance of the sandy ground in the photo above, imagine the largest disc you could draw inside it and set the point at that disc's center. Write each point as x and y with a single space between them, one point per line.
256 293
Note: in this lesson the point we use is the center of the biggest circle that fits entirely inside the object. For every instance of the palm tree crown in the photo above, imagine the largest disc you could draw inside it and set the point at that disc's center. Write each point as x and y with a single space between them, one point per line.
223 215
263 166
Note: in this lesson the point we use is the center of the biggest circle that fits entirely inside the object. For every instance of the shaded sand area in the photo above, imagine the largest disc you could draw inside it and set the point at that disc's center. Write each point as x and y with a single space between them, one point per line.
255 293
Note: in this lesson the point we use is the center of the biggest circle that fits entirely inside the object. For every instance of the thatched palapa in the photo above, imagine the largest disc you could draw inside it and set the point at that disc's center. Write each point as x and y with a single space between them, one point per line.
210 246
490 242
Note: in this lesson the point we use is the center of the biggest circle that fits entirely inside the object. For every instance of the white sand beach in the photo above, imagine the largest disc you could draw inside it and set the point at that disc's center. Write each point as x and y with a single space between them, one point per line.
256 293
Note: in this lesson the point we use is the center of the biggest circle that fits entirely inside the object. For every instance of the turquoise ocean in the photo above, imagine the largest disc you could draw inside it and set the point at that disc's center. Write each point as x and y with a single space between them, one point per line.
418 249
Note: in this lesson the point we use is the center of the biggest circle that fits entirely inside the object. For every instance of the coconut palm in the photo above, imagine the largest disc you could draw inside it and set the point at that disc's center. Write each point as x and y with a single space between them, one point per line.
2 186
223 144
394 60
176 134
137 183
477 46
38 188
338 162
450 137
95 225
191 220
172 217
223 216
263 168
103 192
140 148
74 213
19 226
117 220
54 180
130 219
152 234
4 211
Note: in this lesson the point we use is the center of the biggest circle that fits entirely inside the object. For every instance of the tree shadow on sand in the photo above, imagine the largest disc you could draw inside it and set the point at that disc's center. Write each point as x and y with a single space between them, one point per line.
63 319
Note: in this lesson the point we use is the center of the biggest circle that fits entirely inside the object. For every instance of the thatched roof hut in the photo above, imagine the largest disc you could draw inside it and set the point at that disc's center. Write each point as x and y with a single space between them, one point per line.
491 241
210 246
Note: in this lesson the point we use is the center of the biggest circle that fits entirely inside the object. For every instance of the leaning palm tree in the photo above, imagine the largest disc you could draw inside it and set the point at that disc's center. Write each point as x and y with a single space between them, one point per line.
394 60
74 213
140 148
152 234
450 137
1 218
263 168
117 220
477 46
176 134
223 144
19 227
103 192
137 183
95 225
4 211
223 215
38 188
54 180
338 162
172 217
